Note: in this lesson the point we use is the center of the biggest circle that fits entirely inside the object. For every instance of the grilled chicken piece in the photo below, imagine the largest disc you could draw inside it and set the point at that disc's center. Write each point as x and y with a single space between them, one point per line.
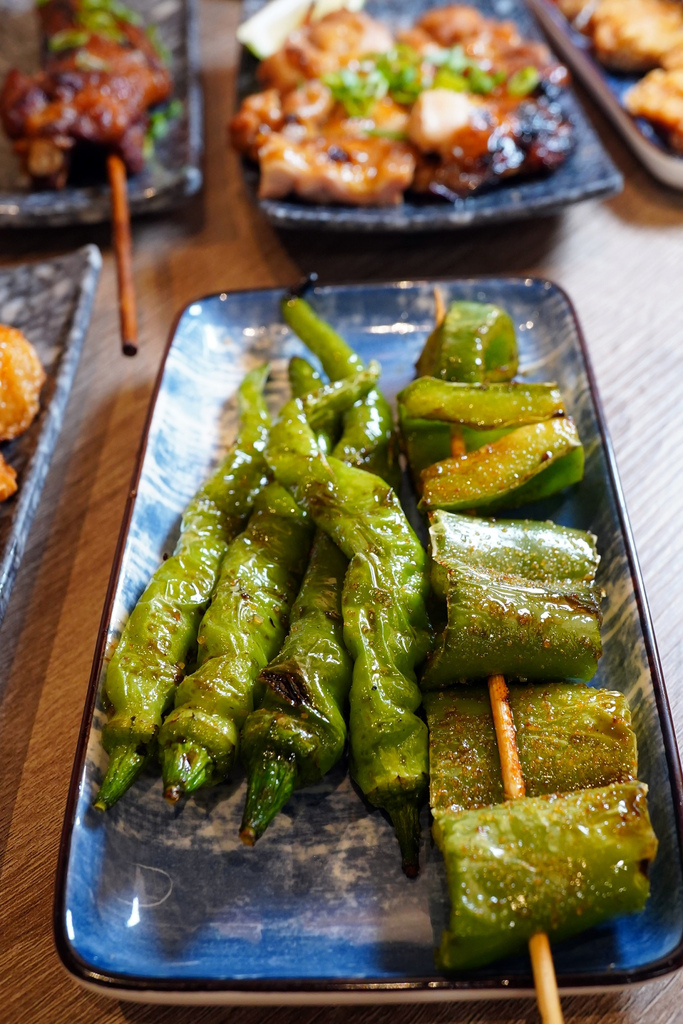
659 97
8 480
94 88
323 46
636 35
362 172
21 378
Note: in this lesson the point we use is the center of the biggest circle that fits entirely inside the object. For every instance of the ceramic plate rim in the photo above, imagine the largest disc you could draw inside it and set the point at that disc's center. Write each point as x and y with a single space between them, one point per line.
308 990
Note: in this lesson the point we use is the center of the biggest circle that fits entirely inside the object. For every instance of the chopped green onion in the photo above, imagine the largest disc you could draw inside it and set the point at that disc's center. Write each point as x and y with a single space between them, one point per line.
524 81
447 79
480 81
86 61
101 23
67 39
386 133
155 39
357 91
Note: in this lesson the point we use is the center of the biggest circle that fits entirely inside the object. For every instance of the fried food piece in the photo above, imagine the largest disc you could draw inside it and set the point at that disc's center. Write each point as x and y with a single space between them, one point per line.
659 98
364 172
21 378
323 46
8 480
635 35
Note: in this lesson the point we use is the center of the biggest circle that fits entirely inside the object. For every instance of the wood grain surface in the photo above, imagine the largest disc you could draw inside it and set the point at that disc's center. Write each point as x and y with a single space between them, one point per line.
621 262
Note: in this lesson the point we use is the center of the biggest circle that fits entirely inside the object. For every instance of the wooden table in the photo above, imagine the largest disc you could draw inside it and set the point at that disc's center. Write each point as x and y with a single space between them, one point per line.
621 262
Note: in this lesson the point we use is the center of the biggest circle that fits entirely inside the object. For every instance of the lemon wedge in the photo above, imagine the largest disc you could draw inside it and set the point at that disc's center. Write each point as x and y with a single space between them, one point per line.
266 31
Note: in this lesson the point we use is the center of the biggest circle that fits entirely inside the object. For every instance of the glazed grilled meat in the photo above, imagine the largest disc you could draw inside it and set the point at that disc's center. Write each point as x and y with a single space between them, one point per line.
100 76
352 115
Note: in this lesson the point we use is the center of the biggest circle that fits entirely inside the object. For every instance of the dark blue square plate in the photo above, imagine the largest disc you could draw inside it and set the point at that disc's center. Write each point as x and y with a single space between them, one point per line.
157 903
587 174
171 175
609 89
51 303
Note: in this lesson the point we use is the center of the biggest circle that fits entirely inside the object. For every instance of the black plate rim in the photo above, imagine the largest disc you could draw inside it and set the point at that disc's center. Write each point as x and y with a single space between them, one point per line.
28 497
190 177
112 983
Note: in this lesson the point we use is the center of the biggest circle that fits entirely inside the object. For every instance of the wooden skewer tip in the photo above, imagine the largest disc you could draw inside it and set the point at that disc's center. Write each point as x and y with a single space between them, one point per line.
123 249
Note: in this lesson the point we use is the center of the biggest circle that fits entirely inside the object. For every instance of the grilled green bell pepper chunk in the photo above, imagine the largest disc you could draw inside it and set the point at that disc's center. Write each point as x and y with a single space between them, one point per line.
526 465
242 629
509 625
385 622
557 864
299 731
481 406
569 736
523 547
158 639
368 440
474 343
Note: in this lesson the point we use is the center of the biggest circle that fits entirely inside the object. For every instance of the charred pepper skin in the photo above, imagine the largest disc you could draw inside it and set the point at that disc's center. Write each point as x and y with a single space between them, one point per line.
385 623
242 629
160 635
299 731
368 440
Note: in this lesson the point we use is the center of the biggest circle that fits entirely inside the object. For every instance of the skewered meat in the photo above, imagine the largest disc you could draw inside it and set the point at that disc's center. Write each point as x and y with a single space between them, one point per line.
350 117
659 98
101 74
8 480
21 378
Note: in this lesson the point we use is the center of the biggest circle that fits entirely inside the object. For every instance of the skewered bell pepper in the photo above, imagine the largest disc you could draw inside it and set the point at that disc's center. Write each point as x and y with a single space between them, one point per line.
569 736
475 343
160 635
385 622
554 864
525 465
368 439
481 406
241 631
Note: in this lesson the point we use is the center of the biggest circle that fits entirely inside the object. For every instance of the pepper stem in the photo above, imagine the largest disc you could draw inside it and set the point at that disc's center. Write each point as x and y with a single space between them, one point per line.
406 821
269 787
125 764
184 767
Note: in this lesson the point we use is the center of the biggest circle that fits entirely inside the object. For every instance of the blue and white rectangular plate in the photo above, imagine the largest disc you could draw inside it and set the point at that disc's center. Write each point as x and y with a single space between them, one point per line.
51 303
173 172
165 904
609 89
587 174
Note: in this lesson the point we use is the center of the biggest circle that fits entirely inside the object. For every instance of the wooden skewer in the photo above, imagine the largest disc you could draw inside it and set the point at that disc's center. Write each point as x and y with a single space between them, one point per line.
513 786
123 248
439 306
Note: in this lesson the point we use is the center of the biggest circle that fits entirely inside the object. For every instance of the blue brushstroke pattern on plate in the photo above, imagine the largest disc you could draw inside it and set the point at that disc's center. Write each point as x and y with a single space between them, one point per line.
587 173
51 303
169 895
171 175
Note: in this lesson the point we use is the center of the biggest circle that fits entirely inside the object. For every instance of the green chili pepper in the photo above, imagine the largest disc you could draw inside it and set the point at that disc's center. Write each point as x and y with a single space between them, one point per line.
523 547
569 736
584 860
242 629
303 378
368 440
161 632
424 443
299 731
481 406
385 623
525 465
475 343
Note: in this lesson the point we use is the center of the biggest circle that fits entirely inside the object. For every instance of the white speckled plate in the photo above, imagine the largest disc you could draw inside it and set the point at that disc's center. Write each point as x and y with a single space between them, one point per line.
51 303
165 904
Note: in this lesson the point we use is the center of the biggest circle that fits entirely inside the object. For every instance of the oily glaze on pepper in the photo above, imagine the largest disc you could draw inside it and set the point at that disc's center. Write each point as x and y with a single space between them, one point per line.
161 632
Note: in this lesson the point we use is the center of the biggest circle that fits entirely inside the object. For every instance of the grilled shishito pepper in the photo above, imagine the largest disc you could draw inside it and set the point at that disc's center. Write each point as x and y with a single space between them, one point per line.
557 864
241 631
507 612
475 343
368 440
528 464
299 731
161 632
481 406
569 736
385 622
